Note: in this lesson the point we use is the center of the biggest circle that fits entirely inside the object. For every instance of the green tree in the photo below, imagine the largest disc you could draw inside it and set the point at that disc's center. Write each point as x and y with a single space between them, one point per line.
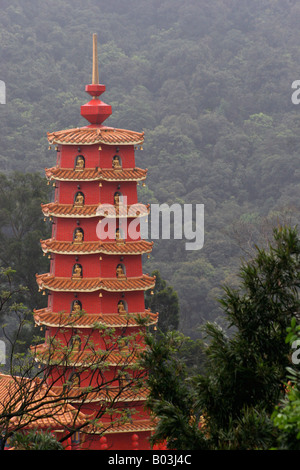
21 229
286 415
245 366
35 440
172 399
246 370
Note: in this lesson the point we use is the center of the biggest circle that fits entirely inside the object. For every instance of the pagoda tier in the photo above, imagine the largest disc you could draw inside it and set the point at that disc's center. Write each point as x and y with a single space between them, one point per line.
109 248
64 284
47 317
53 209
96 174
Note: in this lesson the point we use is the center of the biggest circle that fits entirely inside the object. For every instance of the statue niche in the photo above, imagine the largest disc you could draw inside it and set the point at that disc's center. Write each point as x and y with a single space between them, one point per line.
78 235
122 307
79 163
75 380
77 271
116 163
79 199
117 198
76 306
120 271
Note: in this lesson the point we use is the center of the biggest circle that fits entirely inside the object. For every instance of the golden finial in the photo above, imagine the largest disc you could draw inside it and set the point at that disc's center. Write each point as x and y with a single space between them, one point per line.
95 78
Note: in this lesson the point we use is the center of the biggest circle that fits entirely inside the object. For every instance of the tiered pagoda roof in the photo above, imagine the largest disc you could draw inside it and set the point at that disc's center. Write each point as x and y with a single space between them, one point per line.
109 248
98 174
52 353
66 284
104 395
90 135
135 426
54 209
49 318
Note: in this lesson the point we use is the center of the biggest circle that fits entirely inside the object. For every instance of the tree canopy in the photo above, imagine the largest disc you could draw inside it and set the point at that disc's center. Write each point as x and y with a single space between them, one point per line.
230 404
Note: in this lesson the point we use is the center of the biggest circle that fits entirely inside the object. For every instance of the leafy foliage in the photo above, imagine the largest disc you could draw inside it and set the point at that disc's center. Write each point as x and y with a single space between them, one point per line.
245 371
163 300
35 440
248 370
172 394
286 416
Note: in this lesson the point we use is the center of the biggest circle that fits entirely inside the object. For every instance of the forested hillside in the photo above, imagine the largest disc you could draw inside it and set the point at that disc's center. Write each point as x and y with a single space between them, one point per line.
210 85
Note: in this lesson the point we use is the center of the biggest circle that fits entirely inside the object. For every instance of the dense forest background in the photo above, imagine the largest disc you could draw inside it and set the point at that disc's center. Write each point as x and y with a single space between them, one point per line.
210 85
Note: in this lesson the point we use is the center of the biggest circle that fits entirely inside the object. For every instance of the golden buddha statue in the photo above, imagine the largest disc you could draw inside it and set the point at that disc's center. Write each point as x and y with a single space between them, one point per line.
79 199
78 236
117 199
116 163
79 166
120 272
77 272
75 380
76 307
121 308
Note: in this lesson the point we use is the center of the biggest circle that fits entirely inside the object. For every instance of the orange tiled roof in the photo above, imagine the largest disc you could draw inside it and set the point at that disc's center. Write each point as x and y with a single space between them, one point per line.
44 409
127 394
131 425
110 248
64 284
98 174
55 209
126 174
52 353
68 210
46 317
96 135
140 425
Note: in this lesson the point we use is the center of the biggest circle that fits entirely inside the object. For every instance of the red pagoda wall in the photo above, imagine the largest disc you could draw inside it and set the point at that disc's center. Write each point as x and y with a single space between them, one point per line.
98 267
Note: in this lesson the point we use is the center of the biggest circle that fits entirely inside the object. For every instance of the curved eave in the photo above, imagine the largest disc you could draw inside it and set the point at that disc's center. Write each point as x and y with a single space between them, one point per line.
63 284
109 175
104 396
99 247
135 426
53 209
48 318
95 135
51 355
68 210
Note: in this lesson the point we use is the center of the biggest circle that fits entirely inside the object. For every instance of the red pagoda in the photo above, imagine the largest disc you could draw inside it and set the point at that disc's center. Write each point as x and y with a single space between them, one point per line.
96 308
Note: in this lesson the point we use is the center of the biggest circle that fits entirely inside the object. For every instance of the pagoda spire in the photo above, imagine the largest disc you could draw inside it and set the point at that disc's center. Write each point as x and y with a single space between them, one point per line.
95 76
95 111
